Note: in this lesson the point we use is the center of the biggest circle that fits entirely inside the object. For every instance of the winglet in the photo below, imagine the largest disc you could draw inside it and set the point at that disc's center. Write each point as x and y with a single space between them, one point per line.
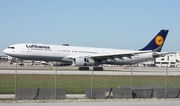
157 42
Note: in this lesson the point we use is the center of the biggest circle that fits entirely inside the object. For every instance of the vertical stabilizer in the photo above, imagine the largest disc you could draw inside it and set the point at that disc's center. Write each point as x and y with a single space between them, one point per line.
157 42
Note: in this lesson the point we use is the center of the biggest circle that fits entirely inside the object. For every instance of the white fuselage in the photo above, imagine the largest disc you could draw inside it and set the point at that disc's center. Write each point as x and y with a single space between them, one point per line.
60 53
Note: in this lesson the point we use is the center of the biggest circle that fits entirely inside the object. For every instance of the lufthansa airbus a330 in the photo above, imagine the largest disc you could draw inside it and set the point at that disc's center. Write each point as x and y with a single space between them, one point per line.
88 56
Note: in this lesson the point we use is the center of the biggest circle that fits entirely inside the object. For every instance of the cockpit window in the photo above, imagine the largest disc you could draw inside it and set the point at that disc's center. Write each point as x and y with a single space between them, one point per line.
10 47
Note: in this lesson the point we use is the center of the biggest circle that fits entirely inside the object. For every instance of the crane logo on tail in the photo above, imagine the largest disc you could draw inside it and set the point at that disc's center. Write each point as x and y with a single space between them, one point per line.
159 40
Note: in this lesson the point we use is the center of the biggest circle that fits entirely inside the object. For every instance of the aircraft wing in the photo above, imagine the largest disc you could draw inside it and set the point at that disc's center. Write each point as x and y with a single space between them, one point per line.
117 55
111 55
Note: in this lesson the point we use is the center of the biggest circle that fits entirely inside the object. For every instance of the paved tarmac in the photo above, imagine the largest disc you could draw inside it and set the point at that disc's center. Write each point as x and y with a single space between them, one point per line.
118 72
82 102
68 96
108 70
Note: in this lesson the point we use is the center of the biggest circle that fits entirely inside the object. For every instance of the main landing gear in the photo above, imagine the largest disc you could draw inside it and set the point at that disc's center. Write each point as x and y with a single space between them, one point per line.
94 68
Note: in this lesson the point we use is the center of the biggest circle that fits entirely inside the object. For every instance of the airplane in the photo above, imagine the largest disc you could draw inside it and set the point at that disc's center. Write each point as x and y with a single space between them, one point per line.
88 56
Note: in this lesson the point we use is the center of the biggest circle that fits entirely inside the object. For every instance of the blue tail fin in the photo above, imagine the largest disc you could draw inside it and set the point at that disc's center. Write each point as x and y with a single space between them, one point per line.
157 42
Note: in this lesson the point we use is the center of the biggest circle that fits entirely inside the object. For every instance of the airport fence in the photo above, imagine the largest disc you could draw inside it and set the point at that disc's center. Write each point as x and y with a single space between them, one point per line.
135 81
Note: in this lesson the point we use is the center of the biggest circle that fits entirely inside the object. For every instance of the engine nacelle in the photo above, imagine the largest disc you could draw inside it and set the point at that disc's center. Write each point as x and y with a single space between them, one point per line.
81 61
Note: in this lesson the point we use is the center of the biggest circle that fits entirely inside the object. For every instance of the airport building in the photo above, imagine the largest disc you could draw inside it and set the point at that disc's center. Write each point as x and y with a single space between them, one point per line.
170 60
5 58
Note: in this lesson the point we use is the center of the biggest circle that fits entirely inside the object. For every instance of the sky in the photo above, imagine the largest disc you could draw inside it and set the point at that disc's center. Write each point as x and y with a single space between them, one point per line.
120 24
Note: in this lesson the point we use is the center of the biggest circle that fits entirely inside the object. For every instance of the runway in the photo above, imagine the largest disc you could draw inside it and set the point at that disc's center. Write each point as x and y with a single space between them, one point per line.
108 70
118 72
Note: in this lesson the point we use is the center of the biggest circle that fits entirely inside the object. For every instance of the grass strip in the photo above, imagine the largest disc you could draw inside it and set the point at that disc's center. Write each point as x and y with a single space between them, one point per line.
77 84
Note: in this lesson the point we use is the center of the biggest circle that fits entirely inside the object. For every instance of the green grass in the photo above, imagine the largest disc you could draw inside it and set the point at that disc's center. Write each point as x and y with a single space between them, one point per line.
77 84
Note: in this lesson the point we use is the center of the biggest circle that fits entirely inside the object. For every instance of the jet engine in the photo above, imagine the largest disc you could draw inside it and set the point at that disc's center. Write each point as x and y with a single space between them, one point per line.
81 61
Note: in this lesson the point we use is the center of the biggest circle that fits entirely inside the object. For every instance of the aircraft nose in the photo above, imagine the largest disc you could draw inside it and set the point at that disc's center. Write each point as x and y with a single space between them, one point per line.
5 51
